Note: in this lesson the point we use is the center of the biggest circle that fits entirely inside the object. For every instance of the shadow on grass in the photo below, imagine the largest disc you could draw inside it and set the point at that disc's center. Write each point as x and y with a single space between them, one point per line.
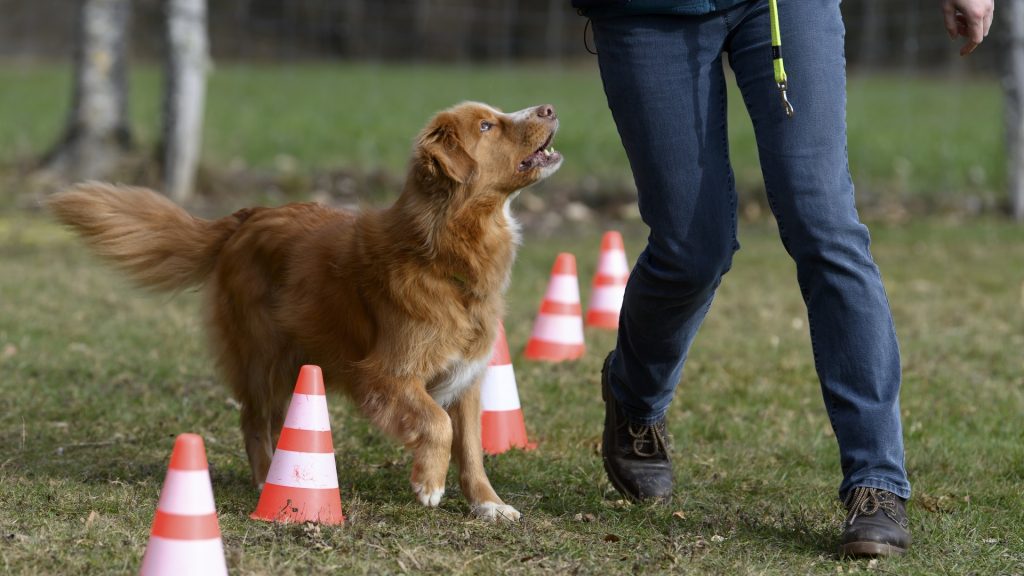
782 525
805 540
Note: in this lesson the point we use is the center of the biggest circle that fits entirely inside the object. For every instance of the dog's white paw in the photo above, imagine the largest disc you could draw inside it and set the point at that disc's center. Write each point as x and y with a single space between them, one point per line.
427 497
493 512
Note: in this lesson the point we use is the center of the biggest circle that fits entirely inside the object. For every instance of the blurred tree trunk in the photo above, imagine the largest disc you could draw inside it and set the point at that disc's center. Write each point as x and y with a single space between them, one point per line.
98 131
555 30
354 26
507 14
1014 87
911 37
187 62
873 34
421 25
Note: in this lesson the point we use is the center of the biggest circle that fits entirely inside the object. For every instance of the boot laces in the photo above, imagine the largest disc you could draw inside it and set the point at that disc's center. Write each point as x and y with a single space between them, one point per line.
644 435
866 501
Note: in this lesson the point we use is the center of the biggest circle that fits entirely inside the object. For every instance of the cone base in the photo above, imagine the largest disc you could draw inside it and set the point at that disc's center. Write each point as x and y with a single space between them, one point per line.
553 351
287 504
168 557
504 430
604 320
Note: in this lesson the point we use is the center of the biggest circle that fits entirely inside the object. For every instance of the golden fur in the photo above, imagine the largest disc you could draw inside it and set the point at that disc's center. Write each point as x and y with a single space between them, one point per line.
398 306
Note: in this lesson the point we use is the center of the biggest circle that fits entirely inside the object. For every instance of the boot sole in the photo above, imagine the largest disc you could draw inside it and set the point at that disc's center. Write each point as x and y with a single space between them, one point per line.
617 484
869 549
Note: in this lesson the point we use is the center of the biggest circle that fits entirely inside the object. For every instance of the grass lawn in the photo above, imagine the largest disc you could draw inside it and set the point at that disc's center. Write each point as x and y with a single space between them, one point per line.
97 378
911 138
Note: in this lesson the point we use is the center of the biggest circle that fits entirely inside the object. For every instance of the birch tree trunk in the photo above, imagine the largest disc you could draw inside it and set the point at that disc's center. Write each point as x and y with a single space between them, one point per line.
187 63
97 132
1013 84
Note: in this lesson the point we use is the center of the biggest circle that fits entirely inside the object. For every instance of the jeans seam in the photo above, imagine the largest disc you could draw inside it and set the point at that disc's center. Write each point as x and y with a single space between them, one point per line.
723 103
826 394
730 177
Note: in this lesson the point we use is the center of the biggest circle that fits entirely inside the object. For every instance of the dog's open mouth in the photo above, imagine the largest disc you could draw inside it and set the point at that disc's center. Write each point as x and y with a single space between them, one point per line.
543 156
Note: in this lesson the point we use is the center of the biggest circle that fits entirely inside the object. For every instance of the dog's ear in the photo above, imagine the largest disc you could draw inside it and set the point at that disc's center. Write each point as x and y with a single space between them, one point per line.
440 151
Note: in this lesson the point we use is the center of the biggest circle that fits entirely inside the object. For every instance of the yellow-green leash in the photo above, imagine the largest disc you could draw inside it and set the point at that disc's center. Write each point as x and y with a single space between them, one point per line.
780 71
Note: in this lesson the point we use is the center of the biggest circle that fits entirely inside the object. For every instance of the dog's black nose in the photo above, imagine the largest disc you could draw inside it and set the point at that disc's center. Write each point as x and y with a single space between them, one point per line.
546 111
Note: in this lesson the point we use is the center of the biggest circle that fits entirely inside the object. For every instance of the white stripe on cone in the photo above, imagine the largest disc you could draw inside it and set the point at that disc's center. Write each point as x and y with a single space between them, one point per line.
498 392
613 263
607 298
308 412
166 557
563 288
303 470
187 492
558 328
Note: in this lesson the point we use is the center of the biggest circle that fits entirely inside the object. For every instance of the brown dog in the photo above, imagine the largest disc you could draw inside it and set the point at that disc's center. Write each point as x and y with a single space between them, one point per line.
399 306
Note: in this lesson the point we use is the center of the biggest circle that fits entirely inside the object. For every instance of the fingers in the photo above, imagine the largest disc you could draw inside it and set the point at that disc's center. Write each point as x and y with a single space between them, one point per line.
972 31
963 29
976 30
949 14
970 19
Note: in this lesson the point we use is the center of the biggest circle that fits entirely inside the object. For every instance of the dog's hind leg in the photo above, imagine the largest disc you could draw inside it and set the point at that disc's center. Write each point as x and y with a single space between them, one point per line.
263 414
263 394
249 385
468 451
404 410
258 435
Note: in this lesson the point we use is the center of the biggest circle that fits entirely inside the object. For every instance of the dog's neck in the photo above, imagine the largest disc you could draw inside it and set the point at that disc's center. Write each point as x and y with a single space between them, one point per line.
462 234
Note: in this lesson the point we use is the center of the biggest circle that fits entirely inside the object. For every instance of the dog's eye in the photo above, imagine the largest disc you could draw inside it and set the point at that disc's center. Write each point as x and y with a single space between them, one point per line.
485 125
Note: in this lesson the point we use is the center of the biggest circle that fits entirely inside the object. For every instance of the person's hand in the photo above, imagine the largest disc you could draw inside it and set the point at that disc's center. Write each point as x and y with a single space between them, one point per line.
970 19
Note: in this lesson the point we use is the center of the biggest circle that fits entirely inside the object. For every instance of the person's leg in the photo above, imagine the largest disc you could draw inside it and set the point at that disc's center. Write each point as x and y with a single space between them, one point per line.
808 182
666 89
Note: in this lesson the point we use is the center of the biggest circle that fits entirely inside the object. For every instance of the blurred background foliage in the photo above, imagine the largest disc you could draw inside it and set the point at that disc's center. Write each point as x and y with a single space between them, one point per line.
322 98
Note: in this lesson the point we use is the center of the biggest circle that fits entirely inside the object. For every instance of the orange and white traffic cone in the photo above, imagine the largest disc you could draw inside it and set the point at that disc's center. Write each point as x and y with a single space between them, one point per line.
185 538
609 284
501 417
302 485
558 331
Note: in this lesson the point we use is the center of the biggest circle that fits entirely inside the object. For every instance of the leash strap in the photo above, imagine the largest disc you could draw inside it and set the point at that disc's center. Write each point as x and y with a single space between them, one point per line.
780 70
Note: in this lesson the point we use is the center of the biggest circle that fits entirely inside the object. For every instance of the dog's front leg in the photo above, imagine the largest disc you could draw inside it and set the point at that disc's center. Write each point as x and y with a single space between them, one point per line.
405 411
483 501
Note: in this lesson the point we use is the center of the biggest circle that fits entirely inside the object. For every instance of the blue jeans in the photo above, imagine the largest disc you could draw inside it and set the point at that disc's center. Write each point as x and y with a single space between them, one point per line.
664 80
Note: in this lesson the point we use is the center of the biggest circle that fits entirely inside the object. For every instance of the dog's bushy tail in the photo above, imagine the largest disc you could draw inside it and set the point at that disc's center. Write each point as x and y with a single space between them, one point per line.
157 243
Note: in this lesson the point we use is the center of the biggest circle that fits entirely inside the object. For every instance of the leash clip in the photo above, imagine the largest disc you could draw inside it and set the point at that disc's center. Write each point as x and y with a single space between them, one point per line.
783 87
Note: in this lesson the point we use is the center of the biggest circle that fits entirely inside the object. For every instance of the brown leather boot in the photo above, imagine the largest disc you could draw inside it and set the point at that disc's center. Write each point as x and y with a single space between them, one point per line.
876 524
636 457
